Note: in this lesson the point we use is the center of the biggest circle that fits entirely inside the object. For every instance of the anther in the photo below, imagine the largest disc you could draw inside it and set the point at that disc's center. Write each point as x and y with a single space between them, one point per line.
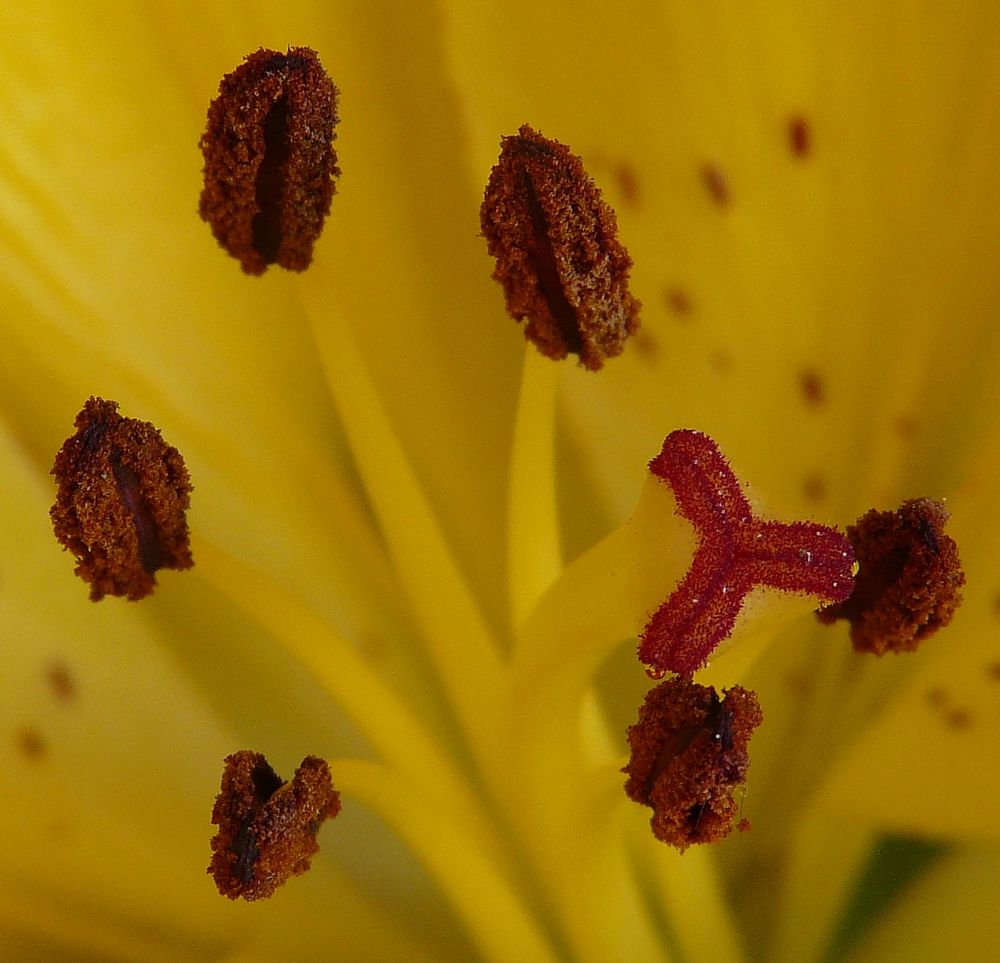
269 159
689 753
909 578
120 508
557 252
267 828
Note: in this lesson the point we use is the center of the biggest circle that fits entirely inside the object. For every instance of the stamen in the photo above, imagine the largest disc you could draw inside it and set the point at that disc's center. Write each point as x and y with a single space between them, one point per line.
558 257
269 159
735 553
909 578
689 754
267 828
123 492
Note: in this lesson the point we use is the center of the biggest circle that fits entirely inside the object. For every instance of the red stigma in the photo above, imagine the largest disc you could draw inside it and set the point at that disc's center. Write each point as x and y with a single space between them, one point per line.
736 552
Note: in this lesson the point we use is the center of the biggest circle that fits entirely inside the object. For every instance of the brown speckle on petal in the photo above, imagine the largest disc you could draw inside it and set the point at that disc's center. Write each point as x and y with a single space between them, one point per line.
799 136
267 828
678 302
628 183
689 753
558 257
812 388
814 487
31 743
909 578
716 183
120 508
61 682
959 719
269 159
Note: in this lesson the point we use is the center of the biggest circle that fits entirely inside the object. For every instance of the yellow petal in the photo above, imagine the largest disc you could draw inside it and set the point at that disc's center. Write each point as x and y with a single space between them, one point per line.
915 930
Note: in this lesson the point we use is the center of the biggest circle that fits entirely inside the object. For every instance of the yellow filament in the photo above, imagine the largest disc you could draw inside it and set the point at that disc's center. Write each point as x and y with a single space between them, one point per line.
459 642
458 858
394 733
534 557
601 598
694 904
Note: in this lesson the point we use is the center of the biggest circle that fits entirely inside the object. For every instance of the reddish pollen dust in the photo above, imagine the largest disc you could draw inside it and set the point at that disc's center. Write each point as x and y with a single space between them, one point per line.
689 753
558 257
736 552
270 165
121 503
266 827
909 578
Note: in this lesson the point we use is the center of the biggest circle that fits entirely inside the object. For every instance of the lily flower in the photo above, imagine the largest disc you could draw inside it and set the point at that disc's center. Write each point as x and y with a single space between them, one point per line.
417 549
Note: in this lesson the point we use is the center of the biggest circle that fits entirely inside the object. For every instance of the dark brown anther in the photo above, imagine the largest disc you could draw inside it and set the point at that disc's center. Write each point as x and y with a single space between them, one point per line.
269 159
558 257
267 828
909 578
123 492
689 755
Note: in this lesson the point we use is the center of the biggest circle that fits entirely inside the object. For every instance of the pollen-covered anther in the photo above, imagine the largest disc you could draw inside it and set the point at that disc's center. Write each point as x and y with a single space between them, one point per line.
689 753
735 553
558 257
267 828
909 578
269 159
121 502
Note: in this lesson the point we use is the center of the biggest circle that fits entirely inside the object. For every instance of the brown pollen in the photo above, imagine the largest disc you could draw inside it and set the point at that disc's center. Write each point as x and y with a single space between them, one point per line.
269 159
558 257
689 754
909 578
267 828
120 506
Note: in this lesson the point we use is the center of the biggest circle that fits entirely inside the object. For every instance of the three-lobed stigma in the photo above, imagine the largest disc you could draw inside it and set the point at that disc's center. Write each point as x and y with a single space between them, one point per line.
736 552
